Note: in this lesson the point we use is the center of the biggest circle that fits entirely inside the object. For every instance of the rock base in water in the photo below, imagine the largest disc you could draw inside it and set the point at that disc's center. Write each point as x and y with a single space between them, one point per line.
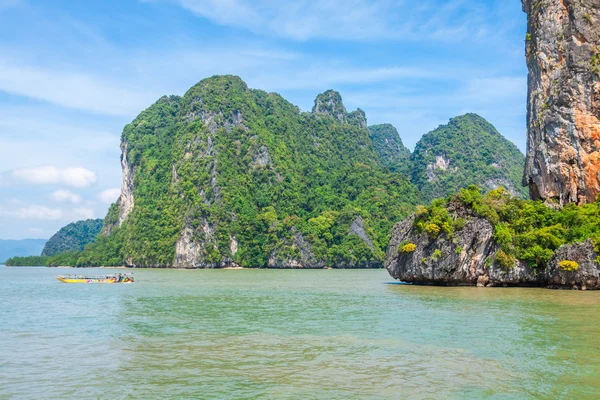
468 259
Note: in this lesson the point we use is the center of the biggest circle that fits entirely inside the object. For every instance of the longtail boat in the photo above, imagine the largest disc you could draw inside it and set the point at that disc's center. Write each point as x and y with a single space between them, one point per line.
117 278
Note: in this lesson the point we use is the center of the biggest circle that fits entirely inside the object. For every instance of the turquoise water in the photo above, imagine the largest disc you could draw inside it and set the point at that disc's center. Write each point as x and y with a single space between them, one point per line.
288 334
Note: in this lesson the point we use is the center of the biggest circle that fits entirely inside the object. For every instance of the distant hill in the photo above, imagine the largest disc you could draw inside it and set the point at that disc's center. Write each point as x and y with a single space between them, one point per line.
73 237
468 150
390 149
20 248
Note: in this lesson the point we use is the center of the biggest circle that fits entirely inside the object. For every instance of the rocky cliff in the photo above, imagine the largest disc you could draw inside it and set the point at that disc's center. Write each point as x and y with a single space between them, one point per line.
497 240
563 57
228 175
465 259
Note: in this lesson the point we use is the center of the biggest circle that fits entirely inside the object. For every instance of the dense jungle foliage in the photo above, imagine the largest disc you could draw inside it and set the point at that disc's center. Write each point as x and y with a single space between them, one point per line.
468 150
73 237
526 230
230 165
390 149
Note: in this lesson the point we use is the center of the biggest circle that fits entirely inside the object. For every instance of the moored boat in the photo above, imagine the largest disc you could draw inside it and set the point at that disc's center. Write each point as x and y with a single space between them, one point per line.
117 278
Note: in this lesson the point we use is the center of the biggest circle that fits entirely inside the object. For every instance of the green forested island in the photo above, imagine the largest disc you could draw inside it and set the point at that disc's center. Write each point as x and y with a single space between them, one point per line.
390 149
228 175
231 175
27 261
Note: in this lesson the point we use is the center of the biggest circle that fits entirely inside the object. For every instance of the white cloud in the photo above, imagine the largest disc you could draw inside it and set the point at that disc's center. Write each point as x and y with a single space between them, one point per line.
75 176
72 89
109 196
65 196
83 213
349 19
34 212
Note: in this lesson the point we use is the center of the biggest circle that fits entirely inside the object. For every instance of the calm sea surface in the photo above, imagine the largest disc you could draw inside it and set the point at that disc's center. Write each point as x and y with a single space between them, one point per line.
325 334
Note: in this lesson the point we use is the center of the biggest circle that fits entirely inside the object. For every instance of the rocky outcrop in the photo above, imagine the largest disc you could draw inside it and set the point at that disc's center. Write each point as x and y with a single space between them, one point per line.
358 229
464 260
468 259
587 274
330 103
563 111
301 255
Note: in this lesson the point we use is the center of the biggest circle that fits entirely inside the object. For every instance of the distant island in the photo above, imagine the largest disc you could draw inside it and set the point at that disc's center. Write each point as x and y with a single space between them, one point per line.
64 247
23 247
27 261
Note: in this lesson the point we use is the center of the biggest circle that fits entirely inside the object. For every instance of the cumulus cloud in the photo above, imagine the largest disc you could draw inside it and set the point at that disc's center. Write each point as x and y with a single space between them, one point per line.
108 196
65 196
75 176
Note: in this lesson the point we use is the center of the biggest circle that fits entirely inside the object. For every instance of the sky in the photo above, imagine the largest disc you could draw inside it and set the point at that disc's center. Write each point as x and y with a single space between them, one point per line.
74 73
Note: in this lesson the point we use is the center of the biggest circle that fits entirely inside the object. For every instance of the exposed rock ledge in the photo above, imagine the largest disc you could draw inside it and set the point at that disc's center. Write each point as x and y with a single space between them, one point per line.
467 260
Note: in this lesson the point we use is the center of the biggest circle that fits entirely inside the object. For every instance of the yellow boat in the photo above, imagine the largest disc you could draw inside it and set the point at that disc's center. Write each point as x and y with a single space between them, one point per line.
118 278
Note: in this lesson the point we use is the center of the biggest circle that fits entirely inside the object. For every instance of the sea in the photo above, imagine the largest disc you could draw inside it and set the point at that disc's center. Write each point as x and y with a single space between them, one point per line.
290 334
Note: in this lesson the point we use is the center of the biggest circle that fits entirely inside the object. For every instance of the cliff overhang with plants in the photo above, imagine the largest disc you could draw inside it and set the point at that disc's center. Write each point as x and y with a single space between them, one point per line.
495 239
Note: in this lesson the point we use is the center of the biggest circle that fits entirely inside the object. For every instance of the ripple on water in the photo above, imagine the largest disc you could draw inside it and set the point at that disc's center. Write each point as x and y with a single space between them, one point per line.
291 334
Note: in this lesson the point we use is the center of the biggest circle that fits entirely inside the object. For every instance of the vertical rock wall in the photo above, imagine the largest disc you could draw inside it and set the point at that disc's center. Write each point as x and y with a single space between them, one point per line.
563 111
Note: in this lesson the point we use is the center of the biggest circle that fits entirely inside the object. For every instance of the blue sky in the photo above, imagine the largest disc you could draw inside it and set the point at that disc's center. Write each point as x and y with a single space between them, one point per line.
73 73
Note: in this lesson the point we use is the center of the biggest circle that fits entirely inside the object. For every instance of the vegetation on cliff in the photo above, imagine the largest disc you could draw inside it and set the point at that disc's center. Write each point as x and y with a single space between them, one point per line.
468 150
73 237
525 230
390 149
230 174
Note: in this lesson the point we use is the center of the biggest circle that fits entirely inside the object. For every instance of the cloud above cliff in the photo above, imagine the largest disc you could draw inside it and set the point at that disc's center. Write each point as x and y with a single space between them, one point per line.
346 19
77 177
109 196
66 196
73 74
71 88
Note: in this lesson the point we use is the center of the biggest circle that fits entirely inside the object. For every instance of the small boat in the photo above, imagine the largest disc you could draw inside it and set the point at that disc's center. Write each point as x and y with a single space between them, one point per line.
117 278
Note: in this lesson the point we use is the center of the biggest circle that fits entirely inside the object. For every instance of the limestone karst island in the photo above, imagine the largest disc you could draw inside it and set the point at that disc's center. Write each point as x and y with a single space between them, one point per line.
290 200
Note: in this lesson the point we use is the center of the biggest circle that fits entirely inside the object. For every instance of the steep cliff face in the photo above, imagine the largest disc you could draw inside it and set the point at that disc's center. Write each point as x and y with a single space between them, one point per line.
228 175
126 201
563 57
